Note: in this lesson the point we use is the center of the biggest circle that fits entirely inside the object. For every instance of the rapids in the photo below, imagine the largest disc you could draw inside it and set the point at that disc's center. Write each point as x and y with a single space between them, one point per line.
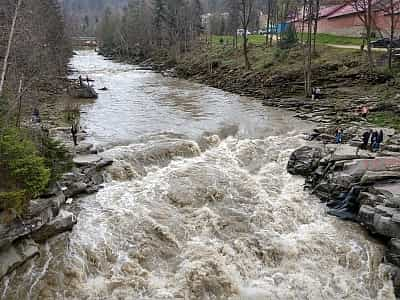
198 205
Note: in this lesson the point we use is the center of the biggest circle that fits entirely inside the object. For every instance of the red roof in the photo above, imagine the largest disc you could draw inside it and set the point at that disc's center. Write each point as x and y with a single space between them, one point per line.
345 10
326 11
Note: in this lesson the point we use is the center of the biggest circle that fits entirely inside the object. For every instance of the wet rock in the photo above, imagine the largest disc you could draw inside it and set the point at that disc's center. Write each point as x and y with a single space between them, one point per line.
392 253
15 255
86 160
304 161
75 188
371 176
83 148
39 212
392 148
63 222
86 92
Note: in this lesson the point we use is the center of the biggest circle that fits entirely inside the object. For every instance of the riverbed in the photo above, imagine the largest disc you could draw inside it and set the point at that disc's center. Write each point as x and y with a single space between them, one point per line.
198 204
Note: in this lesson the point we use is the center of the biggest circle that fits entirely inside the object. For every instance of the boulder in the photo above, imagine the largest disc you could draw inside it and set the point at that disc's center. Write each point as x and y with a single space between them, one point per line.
392 253
371 176
384 225
63 222
86 92
304 160
39 212
86 160
75 188
15 255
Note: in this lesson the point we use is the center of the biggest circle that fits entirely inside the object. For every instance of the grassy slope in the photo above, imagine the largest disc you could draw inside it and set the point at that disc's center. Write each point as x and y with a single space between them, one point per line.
346 66
322 38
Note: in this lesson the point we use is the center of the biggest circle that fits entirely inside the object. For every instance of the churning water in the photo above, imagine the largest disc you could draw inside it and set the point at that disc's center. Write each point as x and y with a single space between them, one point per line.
198 205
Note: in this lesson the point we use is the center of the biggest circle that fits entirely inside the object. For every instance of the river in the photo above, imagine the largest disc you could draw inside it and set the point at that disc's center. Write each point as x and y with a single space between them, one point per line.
198 205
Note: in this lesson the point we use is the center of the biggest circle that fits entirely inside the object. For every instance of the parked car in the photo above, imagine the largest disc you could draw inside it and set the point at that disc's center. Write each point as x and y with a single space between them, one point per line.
385 42
262 32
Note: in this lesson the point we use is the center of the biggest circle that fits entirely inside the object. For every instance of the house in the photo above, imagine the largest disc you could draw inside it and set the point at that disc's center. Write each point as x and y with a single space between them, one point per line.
344 19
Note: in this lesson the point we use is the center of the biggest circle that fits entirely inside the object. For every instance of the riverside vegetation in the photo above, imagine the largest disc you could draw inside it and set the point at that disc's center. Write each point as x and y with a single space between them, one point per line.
37 172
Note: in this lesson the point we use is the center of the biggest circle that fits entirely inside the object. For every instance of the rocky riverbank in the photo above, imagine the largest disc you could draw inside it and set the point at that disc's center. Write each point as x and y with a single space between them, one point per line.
51 214
357 185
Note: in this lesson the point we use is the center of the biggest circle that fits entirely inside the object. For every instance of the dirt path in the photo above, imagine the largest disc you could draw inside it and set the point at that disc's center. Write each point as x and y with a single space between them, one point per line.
355 47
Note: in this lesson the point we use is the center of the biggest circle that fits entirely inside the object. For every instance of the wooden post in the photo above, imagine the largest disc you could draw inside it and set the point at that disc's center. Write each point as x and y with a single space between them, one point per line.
10 39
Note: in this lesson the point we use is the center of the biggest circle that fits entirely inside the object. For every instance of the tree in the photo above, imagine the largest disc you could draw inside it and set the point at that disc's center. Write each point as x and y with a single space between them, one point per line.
365 14
391 9
10 40
245 13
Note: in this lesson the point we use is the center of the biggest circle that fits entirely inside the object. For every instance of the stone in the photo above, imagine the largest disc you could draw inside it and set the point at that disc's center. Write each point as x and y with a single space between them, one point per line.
75 188
39 212
366 215
104 162
372 177
69 201
304 160
392 252
86 160
15 255
391 148
83 148
386 227
63 222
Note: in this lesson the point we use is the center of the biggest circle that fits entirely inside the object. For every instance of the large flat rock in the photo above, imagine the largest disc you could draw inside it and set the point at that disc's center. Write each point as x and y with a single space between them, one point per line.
15 255
86 160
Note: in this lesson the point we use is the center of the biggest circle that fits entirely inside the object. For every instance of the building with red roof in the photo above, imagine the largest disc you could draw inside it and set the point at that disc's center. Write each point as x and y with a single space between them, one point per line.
345 19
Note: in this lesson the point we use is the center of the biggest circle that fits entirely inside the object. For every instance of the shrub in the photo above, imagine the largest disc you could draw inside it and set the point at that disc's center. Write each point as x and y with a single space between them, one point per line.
24 173
280 54
56 157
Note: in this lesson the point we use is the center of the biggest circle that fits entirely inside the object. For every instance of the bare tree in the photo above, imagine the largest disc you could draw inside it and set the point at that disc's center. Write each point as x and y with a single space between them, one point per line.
10 40
246 10
391 9
365 14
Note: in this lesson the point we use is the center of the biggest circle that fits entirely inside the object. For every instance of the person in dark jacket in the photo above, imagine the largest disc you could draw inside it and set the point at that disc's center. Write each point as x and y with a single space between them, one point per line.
339 135
380 139
365 138
374 140
74 132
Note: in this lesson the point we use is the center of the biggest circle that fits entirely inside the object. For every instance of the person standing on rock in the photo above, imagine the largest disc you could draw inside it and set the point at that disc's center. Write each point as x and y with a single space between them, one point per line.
380 139
74 132
339 135
365 138
374 141
317 93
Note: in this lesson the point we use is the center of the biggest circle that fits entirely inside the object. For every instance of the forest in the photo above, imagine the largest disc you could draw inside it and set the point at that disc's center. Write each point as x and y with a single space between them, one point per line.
34 53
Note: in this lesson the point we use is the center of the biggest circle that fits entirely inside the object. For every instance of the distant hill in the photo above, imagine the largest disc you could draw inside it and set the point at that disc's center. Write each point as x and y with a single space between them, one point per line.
82 16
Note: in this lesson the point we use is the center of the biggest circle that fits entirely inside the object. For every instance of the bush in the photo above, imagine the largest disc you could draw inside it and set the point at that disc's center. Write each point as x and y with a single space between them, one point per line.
56 157
280 55
24 173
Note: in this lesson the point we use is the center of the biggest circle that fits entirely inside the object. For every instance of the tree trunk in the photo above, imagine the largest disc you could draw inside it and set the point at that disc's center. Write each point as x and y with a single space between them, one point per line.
10 39
268 21
369 32
316 24
245 50
392 12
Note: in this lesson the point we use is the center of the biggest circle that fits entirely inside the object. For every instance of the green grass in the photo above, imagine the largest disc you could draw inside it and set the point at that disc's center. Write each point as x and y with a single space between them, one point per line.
325 38
322 38
385 119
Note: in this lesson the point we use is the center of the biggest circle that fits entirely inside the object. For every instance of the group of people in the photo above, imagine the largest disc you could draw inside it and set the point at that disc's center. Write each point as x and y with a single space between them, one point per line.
374 137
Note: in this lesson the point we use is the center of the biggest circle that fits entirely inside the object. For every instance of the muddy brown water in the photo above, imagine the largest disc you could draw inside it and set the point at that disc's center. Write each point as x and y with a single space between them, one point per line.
198 205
